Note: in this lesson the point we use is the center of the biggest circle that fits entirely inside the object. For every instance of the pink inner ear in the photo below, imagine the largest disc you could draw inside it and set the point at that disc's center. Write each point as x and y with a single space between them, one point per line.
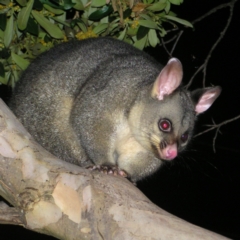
200 108
169 78
207 99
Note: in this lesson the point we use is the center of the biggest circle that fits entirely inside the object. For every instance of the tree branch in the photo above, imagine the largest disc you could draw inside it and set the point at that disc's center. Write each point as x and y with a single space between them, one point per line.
63 200
10 215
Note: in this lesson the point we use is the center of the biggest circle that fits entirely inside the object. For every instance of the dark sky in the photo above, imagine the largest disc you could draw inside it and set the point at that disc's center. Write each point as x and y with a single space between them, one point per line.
200 186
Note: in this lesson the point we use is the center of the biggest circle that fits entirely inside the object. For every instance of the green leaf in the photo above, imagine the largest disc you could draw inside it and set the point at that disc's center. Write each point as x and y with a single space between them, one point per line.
74 22
157 7
68 4
142 32
24 14
8 34
162 32
148 24
113 26
98 3
168 6
21 62
82 26
78 5
132 31
145 16
104 20
149 1
22 3
172 14
152 37
53 30
53 10
3 21
61 19
58 19
38 48
176 2
179 20
15 76
122 34
100 28
3 80
3 76
65 5
140 44
5 2
101 13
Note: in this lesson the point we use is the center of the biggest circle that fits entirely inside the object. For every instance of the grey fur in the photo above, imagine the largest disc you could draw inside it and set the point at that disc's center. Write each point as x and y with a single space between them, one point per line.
84 101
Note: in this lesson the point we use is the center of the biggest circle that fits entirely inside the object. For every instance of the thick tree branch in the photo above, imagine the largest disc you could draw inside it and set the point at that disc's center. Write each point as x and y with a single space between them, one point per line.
10 215
63 200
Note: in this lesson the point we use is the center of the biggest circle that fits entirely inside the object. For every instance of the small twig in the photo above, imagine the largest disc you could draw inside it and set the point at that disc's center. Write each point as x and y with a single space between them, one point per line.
212 127
177 37
175 44
205 64
172 30
213 11
171 39
214 140
76 15
164 46
231 5
217 127
168 41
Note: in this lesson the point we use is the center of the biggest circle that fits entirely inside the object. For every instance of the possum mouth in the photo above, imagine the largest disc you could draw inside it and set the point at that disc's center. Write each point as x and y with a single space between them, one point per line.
165 151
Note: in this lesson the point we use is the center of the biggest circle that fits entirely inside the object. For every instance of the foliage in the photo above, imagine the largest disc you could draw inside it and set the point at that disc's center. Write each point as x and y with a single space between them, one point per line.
30 27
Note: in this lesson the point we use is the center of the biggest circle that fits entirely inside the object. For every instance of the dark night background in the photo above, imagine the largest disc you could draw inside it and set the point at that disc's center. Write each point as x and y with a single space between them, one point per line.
200 186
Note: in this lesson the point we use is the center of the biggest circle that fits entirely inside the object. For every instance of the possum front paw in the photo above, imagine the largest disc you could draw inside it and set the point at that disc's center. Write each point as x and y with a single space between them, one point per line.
110 170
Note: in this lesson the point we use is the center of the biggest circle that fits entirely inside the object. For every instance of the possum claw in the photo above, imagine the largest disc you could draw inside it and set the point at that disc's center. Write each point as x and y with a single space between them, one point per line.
109 170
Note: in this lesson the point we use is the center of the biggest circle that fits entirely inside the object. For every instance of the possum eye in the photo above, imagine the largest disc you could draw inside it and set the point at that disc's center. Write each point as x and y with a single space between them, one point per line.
165 125
184 137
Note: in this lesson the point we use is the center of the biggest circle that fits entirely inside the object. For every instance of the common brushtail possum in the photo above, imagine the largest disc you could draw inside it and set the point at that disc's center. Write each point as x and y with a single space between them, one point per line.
102 102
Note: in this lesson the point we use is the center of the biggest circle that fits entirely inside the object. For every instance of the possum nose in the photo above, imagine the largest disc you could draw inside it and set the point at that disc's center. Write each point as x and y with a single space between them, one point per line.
169 152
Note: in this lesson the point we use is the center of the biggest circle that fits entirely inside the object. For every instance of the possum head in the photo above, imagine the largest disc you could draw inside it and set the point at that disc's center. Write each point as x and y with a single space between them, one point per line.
163 121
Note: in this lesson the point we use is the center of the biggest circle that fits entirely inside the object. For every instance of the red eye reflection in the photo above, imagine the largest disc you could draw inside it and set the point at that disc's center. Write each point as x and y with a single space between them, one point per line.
165 125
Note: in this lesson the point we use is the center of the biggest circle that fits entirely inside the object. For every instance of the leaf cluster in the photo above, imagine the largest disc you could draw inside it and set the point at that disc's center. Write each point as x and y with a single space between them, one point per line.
30 27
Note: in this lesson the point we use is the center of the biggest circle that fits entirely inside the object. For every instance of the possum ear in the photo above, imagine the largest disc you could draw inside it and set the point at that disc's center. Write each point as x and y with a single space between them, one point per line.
168 80
204 98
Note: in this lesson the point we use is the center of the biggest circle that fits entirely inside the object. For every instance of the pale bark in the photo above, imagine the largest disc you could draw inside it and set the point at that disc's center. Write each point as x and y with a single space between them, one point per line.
63 200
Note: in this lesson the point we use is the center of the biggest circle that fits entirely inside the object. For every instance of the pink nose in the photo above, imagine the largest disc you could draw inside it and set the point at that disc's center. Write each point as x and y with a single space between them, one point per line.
170 152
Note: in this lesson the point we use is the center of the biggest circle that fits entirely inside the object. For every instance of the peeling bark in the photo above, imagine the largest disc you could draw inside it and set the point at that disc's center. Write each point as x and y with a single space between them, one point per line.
57 198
